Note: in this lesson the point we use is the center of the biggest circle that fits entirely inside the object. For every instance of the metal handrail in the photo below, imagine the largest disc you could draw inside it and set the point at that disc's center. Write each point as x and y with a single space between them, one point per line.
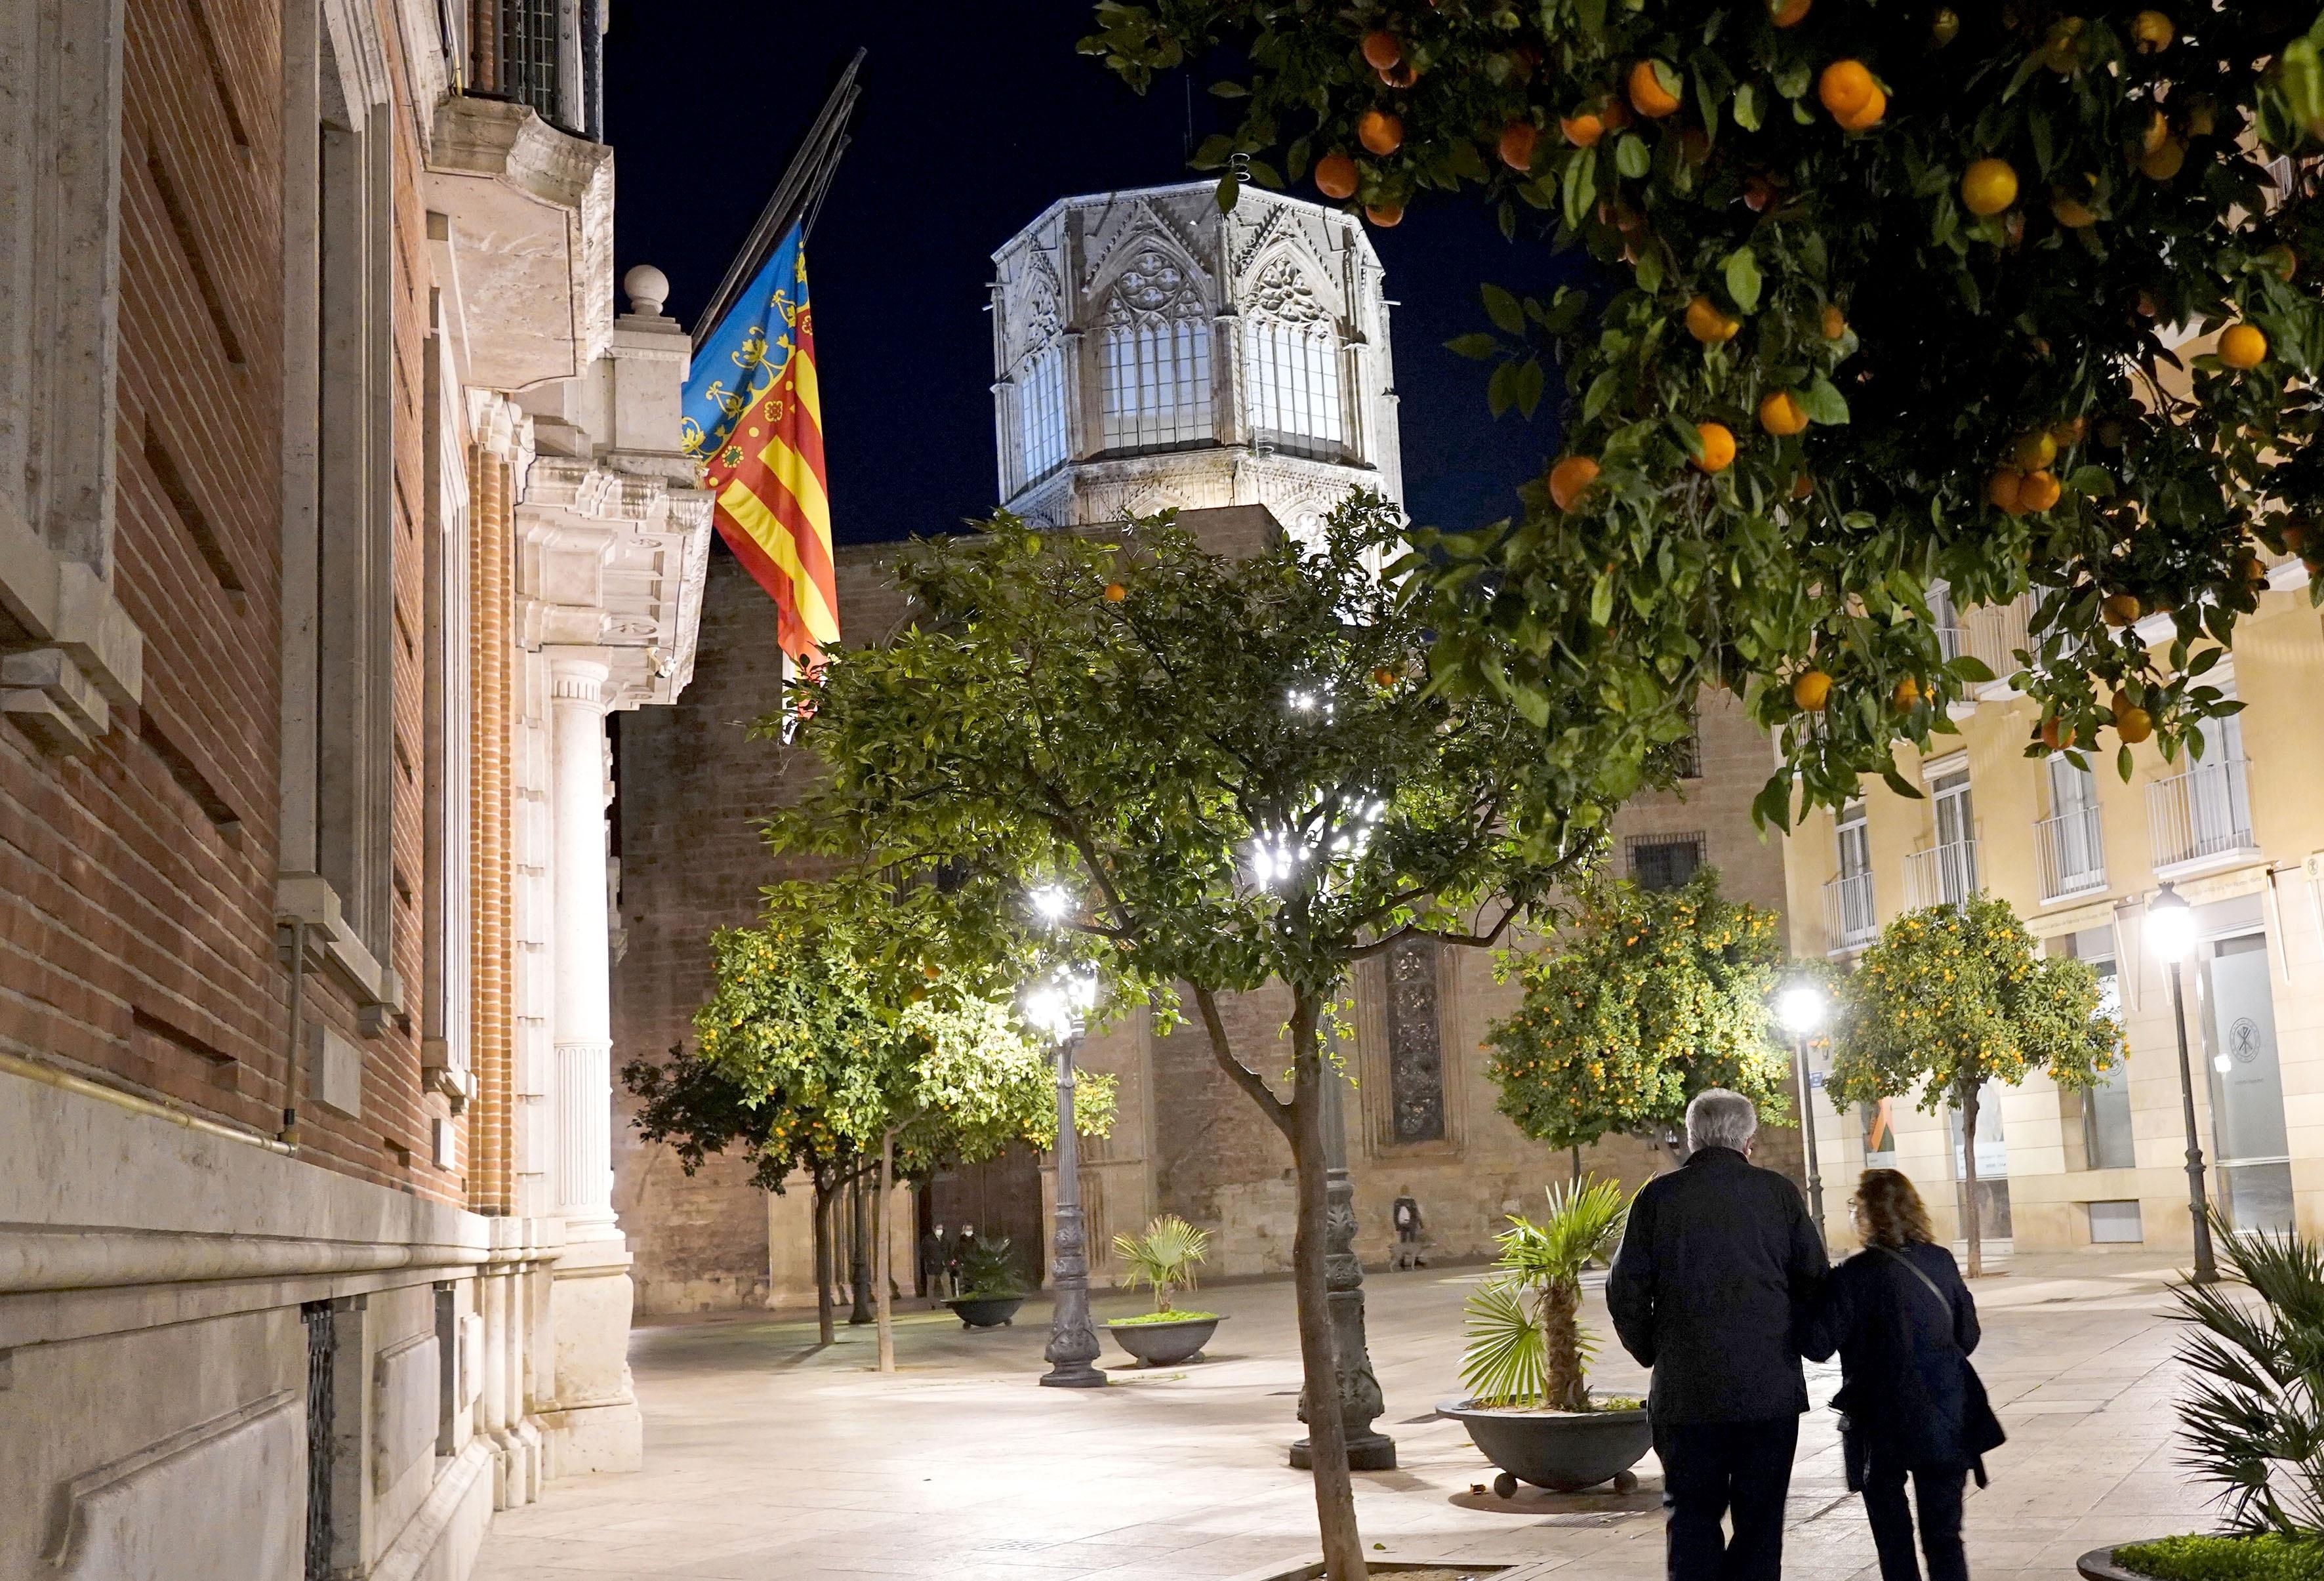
2201 812
1849 916
1939 875
2059 840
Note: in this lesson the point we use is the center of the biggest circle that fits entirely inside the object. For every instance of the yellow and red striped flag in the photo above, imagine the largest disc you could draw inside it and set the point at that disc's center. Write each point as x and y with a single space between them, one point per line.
754 420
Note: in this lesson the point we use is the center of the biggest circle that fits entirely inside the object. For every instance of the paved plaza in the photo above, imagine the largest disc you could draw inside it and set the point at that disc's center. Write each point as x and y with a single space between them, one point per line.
770 1459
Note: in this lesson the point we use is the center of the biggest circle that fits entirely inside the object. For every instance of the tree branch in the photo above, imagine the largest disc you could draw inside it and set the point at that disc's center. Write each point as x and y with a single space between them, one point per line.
1241 1075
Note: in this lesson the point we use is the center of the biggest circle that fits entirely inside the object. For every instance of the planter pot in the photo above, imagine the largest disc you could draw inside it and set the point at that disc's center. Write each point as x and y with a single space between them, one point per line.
1165 1345
1565 1452
2098 1565
985 1311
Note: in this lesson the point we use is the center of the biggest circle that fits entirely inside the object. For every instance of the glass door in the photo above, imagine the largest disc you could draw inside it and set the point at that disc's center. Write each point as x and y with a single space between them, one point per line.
2247 1124
1955 840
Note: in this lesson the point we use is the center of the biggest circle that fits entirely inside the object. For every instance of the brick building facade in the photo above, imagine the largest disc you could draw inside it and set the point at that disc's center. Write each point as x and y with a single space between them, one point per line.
337 510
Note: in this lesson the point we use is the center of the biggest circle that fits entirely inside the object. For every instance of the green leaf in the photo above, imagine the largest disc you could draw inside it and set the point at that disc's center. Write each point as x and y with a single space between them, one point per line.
1899 784
1747 108
1823 402
2096 482
1224 90
1969 668
1502 308
1743 280
1601 599
1479 346
1631 158
1229 191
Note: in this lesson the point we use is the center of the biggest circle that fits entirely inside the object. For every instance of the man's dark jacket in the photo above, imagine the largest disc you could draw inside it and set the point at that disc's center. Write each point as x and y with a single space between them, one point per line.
1718 1271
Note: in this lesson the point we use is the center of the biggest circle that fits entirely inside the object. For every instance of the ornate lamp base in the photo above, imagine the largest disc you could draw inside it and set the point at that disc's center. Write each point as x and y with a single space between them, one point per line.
1366 1452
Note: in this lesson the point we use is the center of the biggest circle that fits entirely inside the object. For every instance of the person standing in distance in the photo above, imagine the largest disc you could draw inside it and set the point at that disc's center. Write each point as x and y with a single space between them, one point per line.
1718 1274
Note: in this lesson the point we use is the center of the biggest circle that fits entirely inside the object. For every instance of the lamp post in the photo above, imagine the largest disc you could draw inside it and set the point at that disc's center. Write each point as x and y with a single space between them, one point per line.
1802 1008
2171 936
1059 1006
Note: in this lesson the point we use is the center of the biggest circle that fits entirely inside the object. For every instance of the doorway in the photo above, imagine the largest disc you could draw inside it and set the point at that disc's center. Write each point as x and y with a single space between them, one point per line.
1001 1197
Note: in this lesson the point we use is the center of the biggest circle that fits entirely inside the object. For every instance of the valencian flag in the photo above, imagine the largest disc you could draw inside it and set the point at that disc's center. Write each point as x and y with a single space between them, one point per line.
753 421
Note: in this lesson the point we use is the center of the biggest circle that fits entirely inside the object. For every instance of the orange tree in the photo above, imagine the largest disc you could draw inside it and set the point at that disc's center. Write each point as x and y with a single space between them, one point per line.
1890 296
1952 997
1650 997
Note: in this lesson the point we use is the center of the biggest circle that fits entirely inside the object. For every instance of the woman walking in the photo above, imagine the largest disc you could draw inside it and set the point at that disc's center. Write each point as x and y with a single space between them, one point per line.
1903 1324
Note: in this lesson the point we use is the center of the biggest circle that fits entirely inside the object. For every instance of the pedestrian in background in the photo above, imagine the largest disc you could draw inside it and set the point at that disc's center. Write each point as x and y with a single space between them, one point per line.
1718 1271
1903 1323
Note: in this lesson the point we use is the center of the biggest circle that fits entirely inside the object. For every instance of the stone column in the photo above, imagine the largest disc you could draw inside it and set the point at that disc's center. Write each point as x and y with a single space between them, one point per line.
581 1024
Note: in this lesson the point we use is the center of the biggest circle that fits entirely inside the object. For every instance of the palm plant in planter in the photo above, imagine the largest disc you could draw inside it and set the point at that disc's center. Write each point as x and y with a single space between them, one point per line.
1526 1365
990 1292
1164 1260
2252 1422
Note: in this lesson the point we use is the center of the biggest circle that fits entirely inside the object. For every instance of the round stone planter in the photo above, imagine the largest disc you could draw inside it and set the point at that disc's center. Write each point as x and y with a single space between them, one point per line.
2098 1565
985 1311
1165 1345
1559 1450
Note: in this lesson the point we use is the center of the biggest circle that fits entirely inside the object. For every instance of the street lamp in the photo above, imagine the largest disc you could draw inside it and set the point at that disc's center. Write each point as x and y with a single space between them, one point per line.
1802 1008
2171 936
1058 1007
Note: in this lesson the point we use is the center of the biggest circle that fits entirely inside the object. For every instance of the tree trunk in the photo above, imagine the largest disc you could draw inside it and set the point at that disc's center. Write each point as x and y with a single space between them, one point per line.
1327 1432
1565 1385
1577 1166
826 1330
1970 1216
884 1253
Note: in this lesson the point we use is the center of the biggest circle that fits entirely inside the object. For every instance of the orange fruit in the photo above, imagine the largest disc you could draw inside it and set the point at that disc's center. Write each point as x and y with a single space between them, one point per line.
2242 346
2056 735
1336 176
1835 322
1866 115
2164 162
2294 535
1380 131
1707 324
2034 451
1387 216
1757 193
2250 566
1616 113
1788 12
1944 26
1115 592
2003 491
1802 485
2038 492
1383 677
2067 432
2281 260
1569 477
1717 446
1402 75
2071 212
1846 87
1381 50
1812 690
2152 30
1907 693
1988 186
2120 609
1648 96
1517 140
1782 415
1583 130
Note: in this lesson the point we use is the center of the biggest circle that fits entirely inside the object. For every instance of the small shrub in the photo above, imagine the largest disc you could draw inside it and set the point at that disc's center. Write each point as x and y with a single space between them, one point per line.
2223 1558
1526 1346
1164 1260
987 1269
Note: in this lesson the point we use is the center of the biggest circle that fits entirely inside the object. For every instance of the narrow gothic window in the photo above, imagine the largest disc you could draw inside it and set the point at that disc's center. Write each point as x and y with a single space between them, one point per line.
1041 413
1416 1051
1291 353
1155 358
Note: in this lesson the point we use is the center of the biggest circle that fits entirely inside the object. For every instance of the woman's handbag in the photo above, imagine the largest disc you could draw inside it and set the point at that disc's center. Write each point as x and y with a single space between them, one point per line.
1980 1428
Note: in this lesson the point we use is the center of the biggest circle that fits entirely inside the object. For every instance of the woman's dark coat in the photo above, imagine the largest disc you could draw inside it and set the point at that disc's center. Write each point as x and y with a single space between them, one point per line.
1907 1385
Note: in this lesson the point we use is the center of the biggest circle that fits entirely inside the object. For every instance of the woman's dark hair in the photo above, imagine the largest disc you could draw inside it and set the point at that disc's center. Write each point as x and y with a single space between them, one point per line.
1893 1213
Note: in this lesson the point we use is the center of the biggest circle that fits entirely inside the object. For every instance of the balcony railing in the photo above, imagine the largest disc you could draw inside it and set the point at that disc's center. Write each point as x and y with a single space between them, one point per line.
1848 919
2202 814
1941 875
2071 849
1994 633
1953 641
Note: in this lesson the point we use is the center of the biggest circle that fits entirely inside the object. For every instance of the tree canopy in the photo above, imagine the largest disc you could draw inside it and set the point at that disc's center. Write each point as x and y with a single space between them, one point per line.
1889 297
1649 997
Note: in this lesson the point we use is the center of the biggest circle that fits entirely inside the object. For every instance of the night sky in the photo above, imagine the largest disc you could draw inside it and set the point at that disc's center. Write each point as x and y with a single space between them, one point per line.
962 134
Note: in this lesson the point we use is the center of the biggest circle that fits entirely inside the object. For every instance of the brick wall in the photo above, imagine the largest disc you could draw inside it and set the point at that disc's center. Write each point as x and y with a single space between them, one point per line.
136 882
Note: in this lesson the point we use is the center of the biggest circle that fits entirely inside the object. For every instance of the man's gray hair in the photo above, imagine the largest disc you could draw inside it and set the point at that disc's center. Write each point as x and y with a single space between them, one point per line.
1720 1118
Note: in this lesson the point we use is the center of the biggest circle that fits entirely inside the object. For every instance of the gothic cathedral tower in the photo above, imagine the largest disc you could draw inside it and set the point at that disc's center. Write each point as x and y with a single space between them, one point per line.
1149 351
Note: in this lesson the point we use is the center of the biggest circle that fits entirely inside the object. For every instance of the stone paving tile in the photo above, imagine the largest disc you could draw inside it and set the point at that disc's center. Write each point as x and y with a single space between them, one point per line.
771 1459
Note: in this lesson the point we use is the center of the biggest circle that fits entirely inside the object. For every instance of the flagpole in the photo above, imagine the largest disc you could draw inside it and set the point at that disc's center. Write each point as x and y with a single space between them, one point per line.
798 193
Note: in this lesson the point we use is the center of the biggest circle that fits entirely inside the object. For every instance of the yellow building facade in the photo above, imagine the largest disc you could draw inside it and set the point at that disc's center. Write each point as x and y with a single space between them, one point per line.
2081 856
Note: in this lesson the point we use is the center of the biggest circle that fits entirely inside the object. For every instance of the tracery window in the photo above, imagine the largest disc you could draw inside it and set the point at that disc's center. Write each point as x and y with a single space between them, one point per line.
1415 1047
1041 394
1154 358
1291 354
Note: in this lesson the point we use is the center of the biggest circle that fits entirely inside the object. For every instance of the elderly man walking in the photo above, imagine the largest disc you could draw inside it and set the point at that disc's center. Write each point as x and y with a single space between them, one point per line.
1718 1271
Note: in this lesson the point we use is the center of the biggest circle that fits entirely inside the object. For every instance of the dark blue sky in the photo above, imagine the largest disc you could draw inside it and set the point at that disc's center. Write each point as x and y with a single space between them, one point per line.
963 134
